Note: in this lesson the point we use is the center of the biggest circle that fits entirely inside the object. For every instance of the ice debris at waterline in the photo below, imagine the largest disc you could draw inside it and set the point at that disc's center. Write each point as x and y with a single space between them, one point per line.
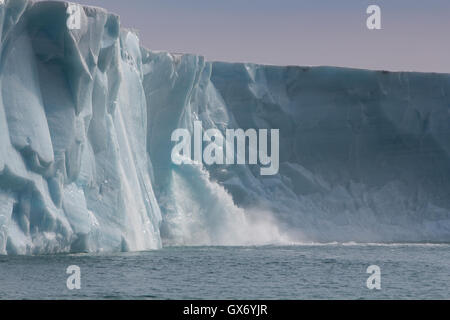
86 118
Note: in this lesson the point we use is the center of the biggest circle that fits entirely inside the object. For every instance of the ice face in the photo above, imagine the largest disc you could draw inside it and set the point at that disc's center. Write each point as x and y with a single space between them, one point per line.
74 171
86 117
363 153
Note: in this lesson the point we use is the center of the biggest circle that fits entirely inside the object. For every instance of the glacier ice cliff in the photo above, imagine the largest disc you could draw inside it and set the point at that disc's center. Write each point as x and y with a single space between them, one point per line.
85 122
73 162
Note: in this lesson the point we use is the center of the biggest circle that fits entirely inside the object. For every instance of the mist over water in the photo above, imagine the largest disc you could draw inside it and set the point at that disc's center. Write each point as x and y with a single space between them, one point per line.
201 212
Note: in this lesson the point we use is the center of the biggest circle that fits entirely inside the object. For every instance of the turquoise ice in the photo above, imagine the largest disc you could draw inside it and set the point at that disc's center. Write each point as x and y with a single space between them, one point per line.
86 117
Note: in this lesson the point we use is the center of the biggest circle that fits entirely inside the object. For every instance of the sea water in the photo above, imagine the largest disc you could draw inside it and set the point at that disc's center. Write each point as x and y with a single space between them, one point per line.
313 271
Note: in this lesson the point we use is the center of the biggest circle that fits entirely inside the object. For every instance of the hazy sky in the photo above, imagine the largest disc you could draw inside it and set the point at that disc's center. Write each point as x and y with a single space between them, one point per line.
415 34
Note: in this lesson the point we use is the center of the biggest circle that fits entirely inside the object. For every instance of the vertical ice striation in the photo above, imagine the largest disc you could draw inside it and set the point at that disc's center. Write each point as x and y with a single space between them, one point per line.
86 117
74 173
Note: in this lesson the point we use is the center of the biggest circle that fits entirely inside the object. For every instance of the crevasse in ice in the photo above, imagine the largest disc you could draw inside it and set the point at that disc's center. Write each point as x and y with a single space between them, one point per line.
85 123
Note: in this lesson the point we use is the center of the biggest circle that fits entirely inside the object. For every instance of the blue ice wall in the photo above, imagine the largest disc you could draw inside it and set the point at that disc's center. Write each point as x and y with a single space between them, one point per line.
364 155
74 171
85 123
